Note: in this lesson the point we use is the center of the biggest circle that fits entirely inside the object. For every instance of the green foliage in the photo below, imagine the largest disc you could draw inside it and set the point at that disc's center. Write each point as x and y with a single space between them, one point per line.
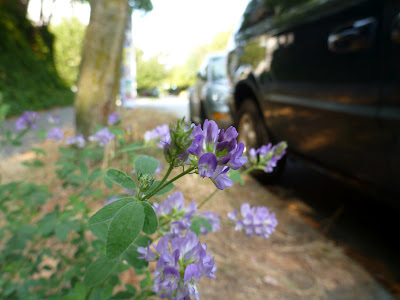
99 270
28 77
146 165
150 73
121 179
197 222
124 228
131 255
69 36
185 76
236 176
150 223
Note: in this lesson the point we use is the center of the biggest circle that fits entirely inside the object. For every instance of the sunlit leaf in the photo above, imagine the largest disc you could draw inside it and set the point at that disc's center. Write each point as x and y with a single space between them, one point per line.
146 165
99 270
150 224
124 228
121 178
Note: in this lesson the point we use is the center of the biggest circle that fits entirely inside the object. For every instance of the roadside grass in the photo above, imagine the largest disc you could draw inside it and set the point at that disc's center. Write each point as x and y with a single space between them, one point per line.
295 263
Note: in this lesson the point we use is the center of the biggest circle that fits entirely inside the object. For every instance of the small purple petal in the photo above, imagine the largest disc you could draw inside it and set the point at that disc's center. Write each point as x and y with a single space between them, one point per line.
207 164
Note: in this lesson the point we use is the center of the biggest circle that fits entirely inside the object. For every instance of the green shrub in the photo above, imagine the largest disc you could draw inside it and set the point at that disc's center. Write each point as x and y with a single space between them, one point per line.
28 77
69 36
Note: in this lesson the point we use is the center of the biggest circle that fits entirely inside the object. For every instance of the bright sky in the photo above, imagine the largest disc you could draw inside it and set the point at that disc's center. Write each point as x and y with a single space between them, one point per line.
176 27
173 27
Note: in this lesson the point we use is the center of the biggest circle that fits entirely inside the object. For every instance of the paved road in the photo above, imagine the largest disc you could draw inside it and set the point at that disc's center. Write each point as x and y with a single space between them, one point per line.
168 104
67 120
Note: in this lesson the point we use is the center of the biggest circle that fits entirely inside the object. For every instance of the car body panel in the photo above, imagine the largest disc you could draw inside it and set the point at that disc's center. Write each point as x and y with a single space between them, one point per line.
317 71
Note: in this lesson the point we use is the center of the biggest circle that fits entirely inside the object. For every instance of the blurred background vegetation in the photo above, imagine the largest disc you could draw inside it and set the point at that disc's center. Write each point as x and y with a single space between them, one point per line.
39 65
28 76
69 36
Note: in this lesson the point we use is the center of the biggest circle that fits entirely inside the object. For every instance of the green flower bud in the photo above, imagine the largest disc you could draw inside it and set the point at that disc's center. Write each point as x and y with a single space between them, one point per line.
145 181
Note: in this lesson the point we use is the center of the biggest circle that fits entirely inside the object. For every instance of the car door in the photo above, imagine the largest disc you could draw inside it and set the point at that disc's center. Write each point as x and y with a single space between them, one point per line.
197 96
322 95
389 112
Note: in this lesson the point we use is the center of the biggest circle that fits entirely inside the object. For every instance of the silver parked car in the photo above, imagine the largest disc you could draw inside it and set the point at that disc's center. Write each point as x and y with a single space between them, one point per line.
208 96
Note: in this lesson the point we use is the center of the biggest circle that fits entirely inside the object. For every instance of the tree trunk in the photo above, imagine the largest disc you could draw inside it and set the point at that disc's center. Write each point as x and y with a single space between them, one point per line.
101 59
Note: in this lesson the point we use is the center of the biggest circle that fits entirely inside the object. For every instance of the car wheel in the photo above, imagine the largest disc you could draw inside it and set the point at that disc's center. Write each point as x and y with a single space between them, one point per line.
253 133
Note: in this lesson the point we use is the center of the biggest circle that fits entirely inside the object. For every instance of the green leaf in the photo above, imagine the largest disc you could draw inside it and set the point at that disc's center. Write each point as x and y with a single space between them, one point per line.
99 222
99 270
133 147
132 256
42 133
235 176
122 295
47 224
117 131
150 224
107 182
84 169
121 179
124 228
130 288
62 231
197 222
16 143
96 174
39 151
146 165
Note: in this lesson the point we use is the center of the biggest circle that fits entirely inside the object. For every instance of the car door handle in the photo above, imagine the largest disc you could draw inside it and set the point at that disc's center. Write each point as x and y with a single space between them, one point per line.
353 37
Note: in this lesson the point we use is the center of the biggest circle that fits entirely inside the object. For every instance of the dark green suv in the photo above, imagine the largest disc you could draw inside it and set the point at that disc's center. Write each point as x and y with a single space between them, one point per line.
324 75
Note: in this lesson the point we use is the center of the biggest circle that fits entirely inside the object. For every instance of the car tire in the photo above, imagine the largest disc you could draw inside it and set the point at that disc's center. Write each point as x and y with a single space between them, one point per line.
253 133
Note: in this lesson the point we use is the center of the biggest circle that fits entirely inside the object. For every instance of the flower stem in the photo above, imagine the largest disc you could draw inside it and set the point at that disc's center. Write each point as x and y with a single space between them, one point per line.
176 178
252 168
208 198
159 186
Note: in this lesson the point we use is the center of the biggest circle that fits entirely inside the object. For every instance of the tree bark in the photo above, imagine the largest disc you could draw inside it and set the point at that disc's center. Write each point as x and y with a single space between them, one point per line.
101 58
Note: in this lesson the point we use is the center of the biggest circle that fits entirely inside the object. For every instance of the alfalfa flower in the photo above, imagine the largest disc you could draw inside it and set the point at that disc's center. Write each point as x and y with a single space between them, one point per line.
113 118
159 134
55 134
77 140
257 220
27 120
181 263
267 156
102 137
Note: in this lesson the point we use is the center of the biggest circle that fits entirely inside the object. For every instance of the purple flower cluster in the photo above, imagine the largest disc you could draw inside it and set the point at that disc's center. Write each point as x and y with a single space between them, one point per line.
27 120
267 156
256 220
174 211
113 118
77 140
103 137
217 151
55 134
159 134
180 266
211 218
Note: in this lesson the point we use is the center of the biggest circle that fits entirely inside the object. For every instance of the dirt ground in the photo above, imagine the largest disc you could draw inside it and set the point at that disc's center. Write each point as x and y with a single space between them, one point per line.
297 262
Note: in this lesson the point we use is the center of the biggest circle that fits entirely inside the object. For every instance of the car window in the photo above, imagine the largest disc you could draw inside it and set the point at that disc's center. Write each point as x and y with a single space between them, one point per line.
260 10
218 69
256 11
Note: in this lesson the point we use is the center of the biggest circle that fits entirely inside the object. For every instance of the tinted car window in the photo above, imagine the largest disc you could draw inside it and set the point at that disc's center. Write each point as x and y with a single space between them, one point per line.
218 69
259 10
